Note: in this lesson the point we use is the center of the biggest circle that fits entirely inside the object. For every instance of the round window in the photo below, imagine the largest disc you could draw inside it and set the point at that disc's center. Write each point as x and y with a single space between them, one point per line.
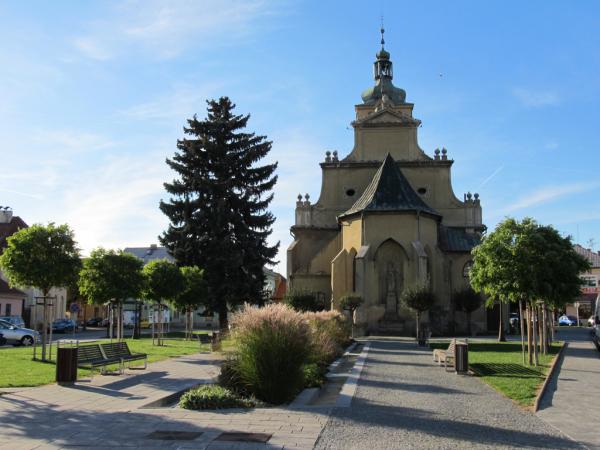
350 192
422 190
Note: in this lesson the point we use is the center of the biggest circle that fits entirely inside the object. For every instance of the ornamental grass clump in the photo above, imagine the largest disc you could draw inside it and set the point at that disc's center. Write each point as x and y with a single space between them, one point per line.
273 343
330 332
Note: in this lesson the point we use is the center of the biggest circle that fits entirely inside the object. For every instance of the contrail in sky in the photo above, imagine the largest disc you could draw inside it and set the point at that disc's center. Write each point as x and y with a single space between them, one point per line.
486 181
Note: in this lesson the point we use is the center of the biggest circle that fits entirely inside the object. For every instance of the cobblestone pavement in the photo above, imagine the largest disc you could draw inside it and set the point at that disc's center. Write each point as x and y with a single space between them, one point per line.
572 400
108 412
405 401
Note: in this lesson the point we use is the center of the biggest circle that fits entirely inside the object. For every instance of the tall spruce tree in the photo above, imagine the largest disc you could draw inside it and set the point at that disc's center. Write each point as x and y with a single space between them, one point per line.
218 206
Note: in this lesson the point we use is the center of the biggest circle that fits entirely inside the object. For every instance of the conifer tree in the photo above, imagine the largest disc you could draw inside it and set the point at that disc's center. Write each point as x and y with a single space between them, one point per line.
219 206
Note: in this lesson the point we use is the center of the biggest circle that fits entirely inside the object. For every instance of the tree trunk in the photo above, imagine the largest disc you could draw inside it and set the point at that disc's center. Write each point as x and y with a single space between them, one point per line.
522 327
223 319
535 335
44 325
160 325
469 331
418 317
528 319
501 336
545 328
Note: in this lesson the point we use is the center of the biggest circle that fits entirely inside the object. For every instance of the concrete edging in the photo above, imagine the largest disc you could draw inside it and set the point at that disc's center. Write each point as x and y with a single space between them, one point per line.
538 399
349 388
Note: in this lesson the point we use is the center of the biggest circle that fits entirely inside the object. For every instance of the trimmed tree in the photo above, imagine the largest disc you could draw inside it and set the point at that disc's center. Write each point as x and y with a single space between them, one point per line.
530 264
219 206
351 302
468 301
164 282
42 257
110 276
303 300
191 296
419 299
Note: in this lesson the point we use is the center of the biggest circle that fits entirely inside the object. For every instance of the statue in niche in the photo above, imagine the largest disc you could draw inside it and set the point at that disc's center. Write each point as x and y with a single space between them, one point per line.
391 289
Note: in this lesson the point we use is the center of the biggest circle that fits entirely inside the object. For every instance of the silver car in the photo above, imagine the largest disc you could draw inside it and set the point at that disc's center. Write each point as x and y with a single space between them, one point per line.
16 335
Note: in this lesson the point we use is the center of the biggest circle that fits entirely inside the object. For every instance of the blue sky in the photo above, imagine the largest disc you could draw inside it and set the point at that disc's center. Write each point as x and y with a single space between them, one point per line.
93 96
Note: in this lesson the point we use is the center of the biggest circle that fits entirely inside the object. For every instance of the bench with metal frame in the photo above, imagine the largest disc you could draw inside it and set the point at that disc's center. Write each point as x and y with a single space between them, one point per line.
120 350
92 357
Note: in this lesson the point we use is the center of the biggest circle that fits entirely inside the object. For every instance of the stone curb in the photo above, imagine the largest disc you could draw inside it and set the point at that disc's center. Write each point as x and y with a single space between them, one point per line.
538 399
346 395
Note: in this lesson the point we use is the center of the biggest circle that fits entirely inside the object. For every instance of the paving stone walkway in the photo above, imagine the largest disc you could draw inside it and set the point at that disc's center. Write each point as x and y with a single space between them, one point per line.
572 401
404 401
109 412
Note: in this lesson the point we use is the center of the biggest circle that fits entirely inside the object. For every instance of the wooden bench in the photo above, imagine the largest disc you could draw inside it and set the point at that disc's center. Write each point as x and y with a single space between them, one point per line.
440 354
120 351
91 357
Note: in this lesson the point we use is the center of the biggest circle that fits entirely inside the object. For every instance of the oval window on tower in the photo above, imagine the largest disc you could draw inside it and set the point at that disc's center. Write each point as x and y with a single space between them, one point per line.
422 190
350 192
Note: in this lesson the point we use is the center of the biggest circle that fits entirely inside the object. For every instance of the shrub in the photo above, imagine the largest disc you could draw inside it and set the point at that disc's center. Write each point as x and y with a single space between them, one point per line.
314 375
213 397
273 343
351 302
330 333
302 300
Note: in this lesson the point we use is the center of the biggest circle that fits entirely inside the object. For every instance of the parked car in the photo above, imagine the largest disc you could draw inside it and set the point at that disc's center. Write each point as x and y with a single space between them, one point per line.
513 320
567 320
2 340
17 335
94 322
64 326
593 321
17 321
105 322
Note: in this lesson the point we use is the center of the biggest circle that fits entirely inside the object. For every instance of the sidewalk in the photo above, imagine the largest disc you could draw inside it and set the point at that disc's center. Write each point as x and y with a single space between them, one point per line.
108 412
572 401
405 401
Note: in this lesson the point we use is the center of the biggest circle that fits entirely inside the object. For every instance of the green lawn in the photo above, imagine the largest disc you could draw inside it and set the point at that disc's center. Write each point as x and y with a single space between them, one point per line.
17 368
500 364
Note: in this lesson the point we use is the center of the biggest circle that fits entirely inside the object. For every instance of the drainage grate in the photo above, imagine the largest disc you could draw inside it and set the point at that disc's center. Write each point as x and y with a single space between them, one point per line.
244 437
174 435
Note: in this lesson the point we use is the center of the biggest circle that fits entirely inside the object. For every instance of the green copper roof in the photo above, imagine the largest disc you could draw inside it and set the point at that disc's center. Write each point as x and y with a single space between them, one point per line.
452 239
389 191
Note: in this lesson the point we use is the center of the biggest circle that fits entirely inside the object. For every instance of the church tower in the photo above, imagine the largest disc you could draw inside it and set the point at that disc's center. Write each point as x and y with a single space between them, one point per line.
386 219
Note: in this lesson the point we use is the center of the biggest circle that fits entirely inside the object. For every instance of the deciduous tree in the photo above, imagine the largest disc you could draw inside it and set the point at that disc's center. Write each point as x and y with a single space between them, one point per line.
110 276
42 257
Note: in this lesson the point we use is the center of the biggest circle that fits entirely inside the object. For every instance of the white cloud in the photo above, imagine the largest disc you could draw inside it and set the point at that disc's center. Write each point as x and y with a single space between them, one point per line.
166 29
535 99
548 194
116 204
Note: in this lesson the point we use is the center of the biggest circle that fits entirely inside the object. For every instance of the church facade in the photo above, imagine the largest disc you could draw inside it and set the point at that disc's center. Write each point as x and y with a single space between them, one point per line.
387 219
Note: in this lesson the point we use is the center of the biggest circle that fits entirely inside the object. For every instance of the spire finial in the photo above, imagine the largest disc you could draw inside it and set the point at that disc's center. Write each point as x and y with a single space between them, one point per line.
382 32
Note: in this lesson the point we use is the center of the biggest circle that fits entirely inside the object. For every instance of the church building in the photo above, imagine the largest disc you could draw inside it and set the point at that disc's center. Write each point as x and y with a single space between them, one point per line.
387 219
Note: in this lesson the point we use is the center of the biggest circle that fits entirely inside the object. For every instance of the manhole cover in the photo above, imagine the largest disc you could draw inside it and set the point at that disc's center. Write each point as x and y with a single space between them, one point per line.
174 435
244 437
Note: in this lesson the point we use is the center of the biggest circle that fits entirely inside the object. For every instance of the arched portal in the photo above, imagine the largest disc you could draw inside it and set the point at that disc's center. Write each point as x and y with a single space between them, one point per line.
390 266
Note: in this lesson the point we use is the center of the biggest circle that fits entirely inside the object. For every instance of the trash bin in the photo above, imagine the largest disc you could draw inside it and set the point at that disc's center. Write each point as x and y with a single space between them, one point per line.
461 357
66 365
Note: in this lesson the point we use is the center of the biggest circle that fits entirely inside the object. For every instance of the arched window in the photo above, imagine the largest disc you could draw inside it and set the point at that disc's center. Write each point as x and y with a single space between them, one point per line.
466 270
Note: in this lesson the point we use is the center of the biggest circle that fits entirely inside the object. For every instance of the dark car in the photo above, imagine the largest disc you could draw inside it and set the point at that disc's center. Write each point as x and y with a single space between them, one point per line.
2 340
94 322
63 326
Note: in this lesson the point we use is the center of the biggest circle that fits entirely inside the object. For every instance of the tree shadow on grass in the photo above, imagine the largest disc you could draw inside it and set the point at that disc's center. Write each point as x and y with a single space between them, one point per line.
505 370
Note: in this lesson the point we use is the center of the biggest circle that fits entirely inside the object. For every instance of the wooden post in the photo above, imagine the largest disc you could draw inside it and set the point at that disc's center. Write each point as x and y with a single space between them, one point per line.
522 327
